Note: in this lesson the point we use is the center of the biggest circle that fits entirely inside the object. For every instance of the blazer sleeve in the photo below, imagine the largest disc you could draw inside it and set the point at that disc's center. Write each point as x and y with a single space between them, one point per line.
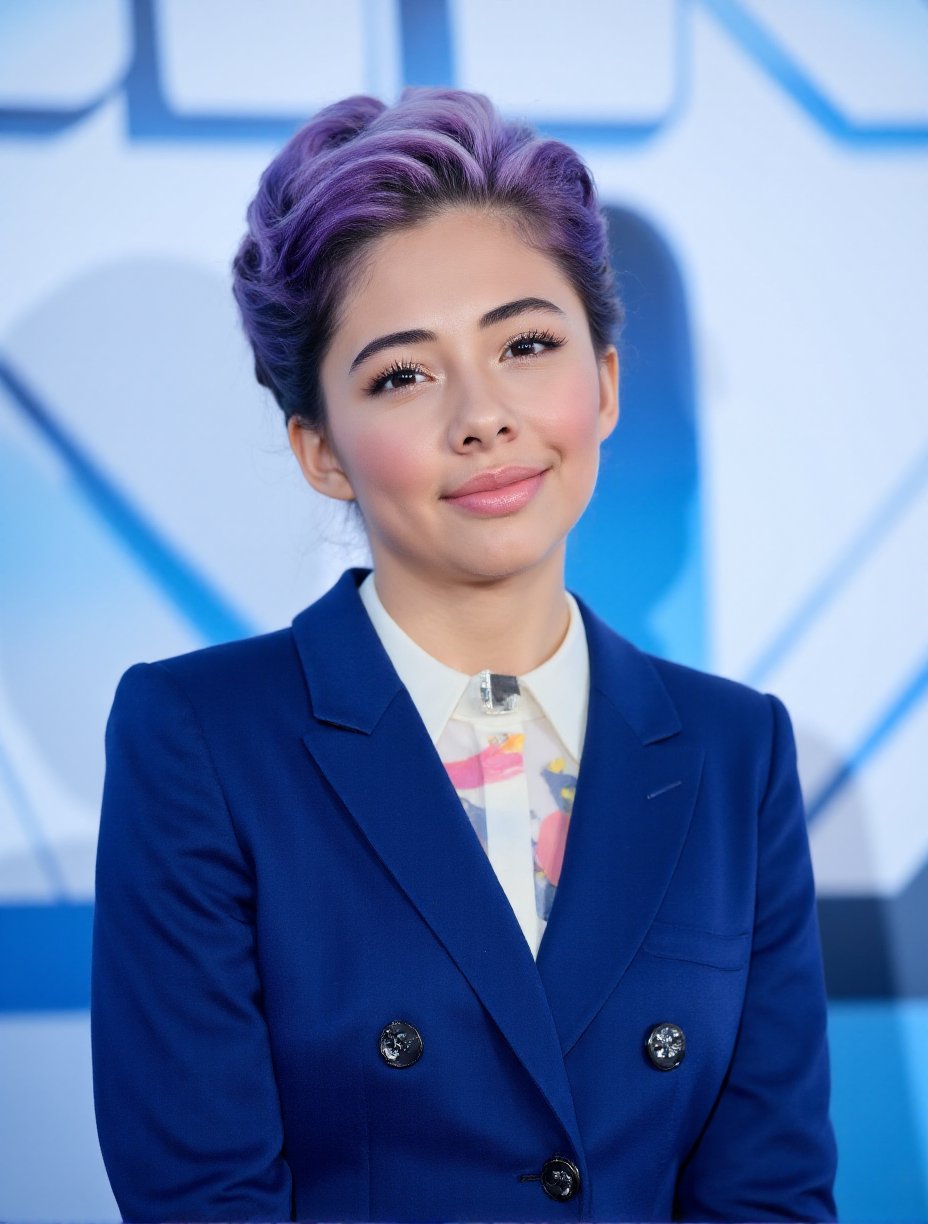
768 1151
186 1102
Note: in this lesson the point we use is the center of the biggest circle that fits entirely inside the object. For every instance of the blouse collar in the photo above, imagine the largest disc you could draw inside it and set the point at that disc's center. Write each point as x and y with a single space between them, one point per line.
560 685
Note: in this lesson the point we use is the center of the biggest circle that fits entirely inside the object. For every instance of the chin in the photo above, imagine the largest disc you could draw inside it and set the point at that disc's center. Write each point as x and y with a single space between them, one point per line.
499 563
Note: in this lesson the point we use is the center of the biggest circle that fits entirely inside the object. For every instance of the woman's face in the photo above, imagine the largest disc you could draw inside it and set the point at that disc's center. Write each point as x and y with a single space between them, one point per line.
465 405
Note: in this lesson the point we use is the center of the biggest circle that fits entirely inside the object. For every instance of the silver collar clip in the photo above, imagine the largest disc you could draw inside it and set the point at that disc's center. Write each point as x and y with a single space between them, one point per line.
499 694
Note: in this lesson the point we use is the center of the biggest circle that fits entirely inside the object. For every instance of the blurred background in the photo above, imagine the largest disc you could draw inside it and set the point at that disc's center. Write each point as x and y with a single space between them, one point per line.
762 510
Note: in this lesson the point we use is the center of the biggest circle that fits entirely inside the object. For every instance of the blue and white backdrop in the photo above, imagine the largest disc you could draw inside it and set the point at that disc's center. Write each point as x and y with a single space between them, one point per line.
763 507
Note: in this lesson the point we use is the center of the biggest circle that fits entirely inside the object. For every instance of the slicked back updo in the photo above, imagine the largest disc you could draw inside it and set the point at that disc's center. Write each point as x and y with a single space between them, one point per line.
359 170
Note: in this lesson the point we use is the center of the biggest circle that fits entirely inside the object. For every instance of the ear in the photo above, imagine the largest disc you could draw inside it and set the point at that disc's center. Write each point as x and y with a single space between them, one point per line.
318 460
608 392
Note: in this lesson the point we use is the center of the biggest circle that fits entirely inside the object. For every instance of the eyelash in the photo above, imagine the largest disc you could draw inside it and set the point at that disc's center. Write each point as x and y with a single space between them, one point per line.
376 384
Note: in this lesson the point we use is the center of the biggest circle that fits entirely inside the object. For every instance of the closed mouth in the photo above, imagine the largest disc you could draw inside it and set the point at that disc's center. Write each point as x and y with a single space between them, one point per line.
497 478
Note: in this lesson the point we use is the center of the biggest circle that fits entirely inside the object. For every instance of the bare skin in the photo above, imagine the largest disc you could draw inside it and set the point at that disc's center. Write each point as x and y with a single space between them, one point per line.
477 580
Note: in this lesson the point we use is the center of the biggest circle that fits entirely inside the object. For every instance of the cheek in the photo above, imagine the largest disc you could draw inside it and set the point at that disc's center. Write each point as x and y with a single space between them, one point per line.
388 460
572 413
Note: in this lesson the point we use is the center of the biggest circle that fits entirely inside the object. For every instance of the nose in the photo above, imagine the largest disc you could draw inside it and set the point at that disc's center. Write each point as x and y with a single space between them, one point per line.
480 418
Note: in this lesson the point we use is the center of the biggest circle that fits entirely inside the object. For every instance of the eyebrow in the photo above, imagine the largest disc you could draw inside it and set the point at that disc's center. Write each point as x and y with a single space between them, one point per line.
419 335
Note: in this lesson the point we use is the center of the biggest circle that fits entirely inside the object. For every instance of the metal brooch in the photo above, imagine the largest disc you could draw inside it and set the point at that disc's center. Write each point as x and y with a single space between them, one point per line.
499 694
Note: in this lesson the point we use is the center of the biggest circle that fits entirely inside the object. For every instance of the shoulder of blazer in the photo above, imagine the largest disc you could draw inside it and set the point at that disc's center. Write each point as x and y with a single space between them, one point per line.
329 655
660 698
246 662
252 686
738 722
252 660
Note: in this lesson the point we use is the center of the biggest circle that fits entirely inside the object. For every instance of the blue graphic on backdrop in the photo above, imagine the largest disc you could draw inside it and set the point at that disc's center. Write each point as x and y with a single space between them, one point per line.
637 552
427 55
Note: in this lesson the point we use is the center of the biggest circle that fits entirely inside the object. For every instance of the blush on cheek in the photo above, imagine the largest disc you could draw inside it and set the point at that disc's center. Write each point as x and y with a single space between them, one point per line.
573 409
383 460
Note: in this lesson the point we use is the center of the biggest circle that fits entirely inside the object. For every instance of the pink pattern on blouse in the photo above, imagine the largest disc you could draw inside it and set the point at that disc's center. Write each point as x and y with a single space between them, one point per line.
494 764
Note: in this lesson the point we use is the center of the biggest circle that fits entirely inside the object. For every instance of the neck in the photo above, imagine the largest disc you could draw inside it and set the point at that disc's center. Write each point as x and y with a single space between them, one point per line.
509 625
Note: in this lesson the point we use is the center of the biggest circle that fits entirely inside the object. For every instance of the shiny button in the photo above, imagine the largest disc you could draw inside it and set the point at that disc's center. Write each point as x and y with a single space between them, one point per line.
666 1046
400 1044
560 1178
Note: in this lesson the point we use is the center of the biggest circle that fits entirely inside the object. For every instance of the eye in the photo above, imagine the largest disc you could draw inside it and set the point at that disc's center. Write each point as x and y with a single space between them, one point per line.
531 344
401 374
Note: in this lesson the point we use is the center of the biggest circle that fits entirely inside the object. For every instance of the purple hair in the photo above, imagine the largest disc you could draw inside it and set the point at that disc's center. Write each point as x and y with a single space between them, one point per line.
360 169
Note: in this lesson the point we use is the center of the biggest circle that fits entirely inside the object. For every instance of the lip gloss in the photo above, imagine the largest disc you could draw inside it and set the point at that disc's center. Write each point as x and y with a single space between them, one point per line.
506 499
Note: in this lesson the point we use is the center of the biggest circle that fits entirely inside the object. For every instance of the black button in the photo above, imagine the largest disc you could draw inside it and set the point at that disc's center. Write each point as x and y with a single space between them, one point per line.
560 1178
666 1046
400 1044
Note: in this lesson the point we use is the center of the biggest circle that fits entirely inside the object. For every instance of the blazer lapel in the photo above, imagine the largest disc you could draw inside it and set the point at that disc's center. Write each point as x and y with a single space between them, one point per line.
370 743
635 795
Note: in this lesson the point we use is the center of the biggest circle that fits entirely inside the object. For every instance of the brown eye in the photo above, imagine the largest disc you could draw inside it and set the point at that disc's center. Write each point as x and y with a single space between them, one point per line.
532 344
527 348
401 374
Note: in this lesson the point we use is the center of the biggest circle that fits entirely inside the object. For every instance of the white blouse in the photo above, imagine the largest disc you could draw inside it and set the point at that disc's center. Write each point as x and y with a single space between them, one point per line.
514 771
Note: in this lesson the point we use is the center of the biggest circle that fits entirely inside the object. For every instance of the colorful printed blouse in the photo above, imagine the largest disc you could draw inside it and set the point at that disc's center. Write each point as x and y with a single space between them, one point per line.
516 782
515 772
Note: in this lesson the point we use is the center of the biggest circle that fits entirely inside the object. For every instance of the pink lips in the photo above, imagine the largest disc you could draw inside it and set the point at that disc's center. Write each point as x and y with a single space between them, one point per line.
502 491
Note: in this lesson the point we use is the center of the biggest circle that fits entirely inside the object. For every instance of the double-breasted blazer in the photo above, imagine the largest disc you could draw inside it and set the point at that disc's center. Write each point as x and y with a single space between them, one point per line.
284 868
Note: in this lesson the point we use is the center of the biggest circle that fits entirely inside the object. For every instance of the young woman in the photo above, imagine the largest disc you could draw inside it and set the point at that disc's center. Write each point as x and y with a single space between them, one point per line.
446 902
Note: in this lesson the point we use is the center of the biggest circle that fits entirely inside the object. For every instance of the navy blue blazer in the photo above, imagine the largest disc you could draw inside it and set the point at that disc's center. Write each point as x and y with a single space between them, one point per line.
284 868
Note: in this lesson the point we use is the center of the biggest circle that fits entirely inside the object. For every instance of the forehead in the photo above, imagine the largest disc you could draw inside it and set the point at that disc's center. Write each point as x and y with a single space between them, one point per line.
444 274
